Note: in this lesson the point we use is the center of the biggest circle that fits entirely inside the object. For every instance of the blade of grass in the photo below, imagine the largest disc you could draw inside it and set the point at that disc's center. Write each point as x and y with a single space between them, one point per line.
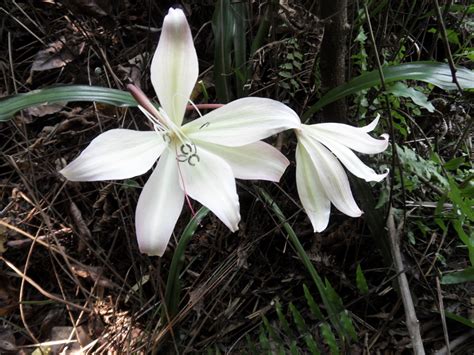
70 93
263 29
330 305
173 284
222 25
240 46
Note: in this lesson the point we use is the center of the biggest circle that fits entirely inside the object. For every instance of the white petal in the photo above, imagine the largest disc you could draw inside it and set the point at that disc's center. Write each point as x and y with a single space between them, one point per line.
174 69
355 138
371 126
116 154
310 190
209 180
332 176
159 206
243 121
256 161
351 161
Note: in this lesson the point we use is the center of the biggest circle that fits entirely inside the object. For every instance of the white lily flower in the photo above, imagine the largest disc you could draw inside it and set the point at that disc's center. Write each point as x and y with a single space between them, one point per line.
320 177
200 159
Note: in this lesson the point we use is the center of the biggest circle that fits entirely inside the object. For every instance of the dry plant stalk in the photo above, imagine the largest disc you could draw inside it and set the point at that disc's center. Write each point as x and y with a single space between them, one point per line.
413 325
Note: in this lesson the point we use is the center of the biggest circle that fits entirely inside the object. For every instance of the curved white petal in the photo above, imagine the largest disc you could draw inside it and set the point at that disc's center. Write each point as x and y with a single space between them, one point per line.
371 126
355 138
351 161
243 121
209 180
175 68
311 191
116 154
159 206
255 161
332 176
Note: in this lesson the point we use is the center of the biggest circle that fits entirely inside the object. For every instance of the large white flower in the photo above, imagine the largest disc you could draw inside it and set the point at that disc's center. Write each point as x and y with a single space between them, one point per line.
320 177
200 159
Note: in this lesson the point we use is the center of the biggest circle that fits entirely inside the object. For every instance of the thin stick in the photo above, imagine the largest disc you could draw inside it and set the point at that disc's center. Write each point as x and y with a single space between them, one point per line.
41 290
444 36
395 158
455 343
413 325
442 315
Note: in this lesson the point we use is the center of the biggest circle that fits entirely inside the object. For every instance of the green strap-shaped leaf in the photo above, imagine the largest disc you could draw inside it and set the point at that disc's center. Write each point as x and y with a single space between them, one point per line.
329 338
466 275
68 93
223 22
173 284
438 74
312 304
361 282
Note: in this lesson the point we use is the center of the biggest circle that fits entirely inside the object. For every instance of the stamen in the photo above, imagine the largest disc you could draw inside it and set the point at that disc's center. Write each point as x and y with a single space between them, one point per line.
186 196
172 127
153 120
195 107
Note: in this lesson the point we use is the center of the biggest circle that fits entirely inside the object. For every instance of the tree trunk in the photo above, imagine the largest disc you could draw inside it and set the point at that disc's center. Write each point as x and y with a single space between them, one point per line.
333 55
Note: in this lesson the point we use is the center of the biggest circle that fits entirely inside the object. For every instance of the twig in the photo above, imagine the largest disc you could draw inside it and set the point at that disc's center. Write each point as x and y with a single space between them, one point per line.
41 290
455 343
395 158
442 315
444 36
413 325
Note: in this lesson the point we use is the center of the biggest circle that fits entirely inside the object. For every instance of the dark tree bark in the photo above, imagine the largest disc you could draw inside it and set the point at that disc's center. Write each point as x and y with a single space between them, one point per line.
333 55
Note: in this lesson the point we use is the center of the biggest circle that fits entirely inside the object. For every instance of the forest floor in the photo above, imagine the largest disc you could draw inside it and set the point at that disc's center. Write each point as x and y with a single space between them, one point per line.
71 274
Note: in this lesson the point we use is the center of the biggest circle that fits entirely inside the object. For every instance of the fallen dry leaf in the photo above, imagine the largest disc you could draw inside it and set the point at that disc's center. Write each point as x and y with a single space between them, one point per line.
45 109
57 55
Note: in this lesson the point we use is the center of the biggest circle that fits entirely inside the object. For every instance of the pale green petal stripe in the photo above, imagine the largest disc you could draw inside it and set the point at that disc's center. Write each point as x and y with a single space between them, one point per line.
256 161
310 190
116 154
242 122
175 68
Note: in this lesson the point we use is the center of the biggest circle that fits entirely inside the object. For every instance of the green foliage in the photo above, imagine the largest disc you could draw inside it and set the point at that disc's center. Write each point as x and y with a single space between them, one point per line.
293 333
173 284
291 66
450 185
418 171
329 296
329 338
67 93
229 25
466 275
360 63
438 74
460 319
402 90
361 281
312 304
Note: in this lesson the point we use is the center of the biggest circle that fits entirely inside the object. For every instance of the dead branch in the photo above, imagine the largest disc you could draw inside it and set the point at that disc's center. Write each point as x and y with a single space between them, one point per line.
413 325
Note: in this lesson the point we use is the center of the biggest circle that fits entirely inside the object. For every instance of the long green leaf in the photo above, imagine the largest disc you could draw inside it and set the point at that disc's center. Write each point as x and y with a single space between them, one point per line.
173 284
68 93
223 23
329 338
438 74
466 275
240 46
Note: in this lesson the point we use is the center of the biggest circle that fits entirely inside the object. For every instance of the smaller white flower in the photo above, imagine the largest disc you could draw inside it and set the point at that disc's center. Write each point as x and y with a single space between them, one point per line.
320 177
